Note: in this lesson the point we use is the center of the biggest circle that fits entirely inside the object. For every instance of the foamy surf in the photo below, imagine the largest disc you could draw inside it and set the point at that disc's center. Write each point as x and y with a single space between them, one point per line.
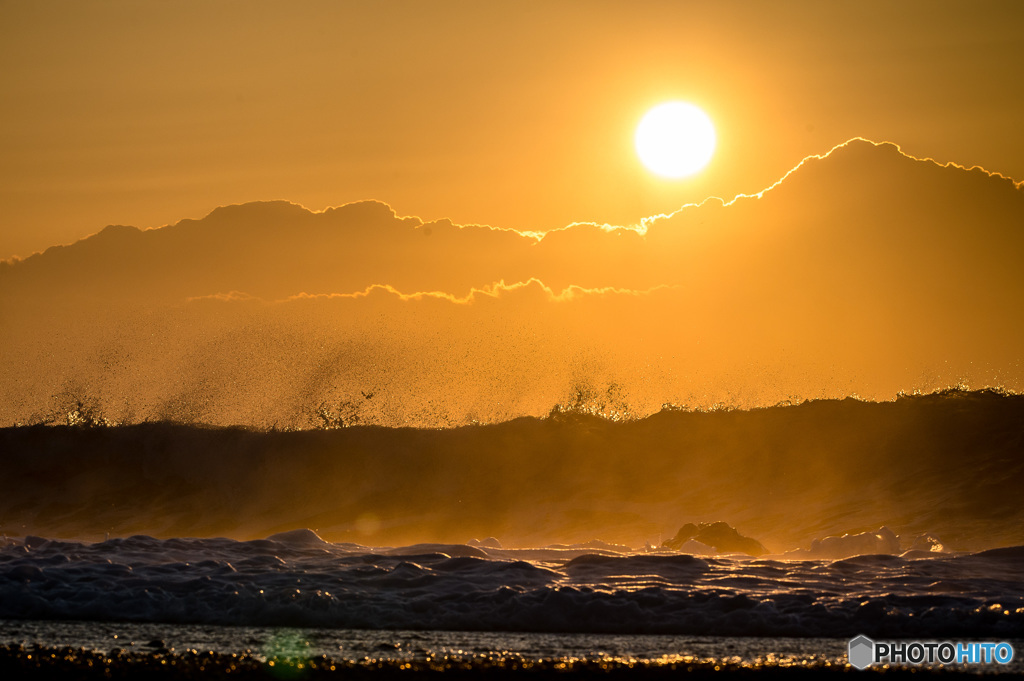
301 581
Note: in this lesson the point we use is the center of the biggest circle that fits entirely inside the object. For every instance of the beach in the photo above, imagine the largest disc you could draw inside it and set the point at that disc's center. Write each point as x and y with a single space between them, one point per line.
112 650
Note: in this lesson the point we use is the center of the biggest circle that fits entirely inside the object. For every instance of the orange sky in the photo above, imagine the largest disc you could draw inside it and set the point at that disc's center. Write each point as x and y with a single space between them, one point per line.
511 114
863 272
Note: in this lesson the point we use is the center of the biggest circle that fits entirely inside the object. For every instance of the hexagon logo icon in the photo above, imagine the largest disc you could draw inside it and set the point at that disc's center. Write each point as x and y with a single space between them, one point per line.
861 652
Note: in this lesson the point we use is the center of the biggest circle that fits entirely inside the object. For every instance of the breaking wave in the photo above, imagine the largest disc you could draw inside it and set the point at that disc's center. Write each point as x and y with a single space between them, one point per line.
945 464
296 579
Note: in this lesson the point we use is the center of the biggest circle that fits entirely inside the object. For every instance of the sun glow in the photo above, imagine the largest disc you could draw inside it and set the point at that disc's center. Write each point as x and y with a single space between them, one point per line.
675 139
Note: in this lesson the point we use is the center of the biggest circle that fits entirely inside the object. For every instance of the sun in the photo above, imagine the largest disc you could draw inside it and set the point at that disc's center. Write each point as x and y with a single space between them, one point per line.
675 139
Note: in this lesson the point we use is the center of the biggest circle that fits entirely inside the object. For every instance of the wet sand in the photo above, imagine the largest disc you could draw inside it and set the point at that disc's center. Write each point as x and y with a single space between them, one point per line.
39 662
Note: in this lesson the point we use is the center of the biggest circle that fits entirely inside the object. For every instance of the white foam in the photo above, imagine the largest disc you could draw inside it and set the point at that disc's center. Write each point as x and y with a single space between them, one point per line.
296 578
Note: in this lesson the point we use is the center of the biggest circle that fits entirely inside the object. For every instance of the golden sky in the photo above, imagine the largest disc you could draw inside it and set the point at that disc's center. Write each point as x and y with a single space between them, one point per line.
866 269
513 114
863 271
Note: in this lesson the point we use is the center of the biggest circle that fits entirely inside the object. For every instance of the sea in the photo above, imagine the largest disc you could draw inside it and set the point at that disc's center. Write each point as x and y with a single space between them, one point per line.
752 537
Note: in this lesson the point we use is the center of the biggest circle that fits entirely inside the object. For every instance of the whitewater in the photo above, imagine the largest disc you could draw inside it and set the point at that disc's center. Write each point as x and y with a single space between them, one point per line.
297 579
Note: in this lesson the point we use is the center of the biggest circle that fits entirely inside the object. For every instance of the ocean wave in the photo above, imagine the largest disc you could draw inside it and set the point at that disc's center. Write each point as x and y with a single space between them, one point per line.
278 583
938 470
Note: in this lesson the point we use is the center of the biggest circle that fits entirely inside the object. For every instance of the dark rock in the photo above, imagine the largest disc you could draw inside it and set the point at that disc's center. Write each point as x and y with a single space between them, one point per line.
720 536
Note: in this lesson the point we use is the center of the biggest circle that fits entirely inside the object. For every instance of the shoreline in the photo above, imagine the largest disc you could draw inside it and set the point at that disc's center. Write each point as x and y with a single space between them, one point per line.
45 662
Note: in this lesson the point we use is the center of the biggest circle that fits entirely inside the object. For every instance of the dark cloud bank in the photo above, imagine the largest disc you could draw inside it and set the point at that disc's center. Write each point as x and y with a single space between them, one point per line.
863 271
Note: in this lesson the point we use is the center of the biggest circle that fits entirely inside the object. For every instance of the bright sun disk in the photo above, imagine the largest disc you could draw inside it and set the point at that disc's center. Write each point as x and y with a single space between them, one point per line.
675 139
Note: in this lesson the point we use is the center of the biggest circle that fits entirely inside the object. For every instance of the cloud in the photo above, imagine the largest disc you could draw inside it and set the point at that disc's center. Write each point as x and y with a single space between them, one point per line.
273 250
533 288
864 270
229 297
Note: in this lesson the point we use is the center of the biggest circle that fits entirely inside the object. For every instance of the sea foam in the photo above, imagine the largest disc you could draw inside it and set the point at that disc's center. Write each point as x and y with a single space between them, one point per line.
284 582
